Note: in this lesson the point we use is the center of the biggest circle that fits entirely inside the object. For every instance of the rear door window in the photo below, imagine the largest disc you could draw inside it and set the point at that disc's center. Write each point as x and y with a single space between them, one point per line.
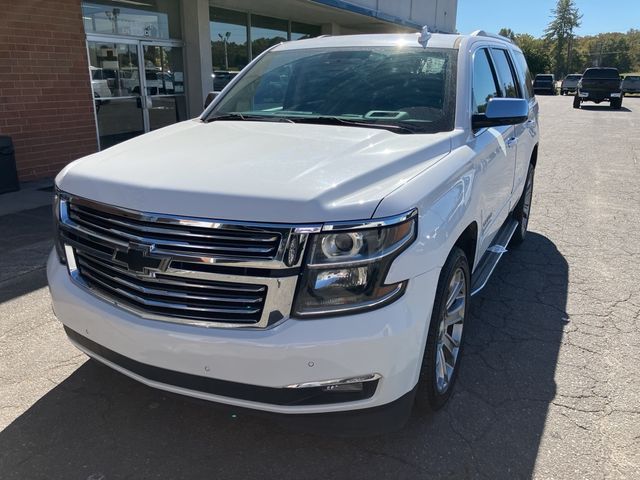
525 74
508 83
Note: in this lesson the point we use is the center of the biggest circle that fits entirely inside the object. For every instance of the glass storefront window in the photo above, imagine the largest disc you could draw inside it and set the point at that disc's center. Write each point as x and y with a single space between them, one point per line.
150 19
230 50
266 32
300 31
114 69
229 45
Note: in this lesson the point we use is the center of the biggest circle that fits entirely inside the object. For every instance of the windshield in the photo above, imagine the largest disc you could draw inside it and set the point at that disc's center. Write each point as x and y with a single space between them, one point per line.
632 80
573 77
544 78
413 88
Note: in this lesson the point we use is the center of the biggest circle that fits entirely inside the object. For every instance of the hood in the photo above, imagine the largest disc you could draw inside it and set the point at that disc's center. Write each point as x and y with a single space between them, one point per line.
255 171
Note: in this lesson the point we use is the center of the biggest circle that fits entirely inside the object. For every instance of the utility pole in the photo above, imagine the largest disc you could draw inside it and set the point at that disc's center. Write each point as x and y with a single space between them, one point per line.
225 39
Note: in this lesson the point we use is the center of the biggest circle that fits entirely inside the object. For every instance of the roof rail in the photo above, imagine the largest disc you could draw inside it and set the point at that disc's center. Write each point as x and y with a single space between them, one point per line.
482 33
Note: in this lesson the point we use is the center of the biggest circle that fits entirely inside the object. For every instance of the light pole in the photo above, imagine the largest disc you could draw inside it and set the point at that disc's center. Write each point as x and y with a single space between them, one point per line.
225 39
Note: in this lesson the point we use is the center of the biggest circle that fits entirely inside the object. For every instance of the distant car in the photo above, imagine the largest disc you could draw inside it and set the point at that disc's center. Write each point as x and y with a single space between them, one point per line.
221 78
99 83
570 84
544 83
599 84
631 85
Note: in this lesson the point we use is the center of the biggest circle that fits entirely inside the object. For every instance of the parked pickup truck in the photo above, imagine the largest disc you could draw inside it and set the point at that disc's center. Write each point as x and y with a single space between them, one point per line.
311 243
570 84
599 85
545 83
631 85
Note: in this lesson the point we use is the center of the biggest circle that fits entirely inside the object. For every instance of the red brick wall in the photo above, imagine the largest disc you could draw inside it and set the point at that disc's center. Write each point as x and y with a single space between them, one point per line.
46 103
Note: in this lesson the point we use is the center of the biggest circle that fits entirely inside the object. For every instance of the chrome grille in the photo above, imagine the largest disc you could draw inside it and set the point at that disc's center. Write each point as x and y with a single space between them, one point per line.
193 299
176 269
177 238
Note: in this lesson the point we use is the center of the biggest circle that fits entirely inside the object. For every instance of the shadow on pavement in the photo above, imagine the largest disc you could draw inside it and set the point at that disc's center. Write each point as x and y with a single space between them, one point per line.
607 108
24 246
99 424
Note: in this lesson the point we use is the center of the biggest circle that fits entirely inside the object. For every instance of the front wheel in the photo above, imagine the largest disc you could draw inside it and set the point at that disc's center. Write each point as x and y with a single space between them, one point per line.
523 209
616 103
441 360
576 101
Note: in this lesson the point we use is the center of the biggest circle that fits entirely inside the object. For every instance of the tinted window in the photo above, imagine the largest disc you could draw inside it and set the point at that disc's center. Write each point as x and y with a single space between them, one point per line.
523 70
601 73
412 87
505 73
484 83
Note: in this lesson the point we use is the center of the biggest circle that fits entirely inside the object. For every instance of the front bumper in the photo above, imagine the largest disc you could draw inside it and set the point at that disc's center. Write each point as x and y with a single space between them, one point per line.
388 342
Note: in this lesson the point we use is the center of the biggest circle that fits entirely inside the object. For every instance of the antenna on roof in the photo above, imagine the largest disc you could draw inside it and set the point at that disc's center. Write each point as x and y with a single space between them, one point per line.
424 37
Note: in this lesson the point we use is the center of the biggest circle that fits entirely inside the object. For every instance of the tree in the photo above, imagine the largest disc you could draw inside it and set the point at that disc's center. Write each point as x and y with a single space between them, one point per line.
507 32
565 18
536 51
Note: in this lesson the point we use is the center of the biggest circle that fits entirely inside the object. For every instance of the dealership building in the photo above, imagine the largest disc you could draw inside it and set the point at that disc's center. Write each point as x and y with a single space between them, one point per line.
78 77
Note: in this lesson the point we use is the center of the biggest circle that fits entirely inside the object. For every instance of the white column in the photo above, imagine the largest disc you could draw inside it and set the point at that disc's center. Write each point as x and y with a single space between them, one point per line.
197 47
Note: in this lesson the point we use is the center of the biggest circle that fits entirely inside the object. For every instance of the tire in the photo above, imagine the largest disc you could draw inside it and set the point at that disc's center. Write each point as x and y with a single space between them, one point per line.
616 103
523 209
576 101
436 384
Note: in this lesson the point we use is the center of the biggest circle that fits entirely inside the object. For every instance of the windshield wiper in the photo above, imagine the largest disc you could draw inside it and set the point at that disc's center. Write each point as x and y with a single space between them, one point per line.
247 117
352 123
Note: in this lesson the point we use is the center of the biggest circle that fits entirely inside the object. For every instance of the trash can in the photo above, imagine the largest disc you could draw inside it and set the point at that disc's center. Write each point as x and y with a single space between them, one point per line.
8 173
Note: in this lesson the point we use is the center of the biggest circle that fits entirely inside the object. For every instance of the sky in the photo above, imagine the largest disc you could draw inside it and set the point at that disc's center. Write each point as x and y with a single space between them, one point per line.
532 16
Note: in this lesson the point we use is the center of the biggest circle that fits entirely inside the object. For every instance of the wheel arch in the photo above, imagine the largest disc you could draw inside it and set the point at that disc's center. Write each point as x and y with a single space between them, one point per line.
468 243
534 156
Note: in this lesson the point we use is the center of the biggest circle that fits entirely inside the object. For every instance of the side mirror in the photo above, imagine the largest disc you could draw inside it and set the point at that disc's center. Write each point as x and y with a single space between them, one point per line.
210 97
502 111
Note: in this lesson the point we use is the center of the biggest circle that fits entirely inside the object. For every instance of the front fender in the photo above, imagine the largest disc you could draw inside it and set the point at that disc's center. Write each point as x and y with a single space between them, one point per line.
444 196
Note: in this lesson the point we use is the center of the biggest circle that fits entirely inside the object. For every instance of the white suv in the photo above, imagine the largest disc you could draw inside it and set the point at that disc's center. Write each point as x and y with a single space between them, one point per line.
310 244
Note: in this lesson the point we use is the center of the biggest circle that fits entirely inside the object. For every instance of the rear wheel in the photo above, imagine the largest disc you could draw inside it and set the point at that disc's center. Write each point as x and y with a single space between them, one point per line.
443 350
576 101
616 103
523 209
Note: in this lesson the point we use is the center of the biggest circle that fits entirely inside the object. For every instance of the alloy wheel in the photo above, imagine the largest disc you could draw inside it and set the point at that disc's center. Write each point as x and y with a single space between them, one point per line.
450 330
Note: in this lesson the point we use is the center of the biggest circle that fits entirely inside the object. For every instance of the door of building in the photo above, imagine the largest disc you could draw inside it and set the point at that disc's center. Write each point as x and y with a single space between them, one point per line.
138 86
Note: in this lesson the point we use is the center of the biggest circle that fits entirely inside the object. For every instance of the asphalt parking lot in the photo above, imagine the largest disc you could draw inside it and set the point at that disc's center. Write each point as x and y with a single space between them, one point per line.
549 386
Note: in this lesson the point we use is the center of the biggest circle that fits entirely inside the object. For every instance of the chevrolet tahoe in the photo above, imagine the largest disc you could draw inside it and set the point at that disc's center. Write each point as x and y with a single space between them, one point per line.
311 243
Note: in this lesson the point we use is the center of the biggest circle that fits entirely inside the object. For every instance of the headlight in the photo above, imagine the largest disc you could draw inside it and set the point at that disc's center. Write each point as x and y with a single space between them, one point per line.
346 268
57 239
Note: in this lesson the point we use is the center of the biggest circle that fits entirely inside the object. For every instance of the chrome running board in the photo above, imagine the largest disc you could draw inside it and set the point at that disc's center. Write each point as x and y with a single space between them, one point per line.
492 256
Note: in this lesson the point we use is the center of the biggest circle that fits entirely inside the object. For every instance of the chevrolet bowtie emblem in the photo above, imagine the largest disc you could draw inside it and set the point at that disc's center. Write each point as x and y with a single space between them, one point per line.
139 259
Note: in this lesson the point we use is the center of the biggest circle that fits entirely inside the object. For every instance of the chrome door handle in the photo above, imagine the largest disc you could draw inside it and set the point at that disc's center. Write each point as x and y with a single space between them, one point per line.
529 123
512 142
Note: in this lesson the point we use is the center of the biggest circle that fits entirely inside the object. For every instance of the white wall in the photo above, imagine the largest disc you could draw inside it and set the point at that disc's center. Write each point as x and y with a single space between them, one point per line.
438 14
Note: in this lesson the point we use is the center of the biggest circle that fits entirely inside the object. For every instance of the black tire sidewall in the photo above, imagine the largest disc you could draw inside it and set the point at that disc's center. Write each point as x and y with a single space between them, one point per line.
518 212
427 396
